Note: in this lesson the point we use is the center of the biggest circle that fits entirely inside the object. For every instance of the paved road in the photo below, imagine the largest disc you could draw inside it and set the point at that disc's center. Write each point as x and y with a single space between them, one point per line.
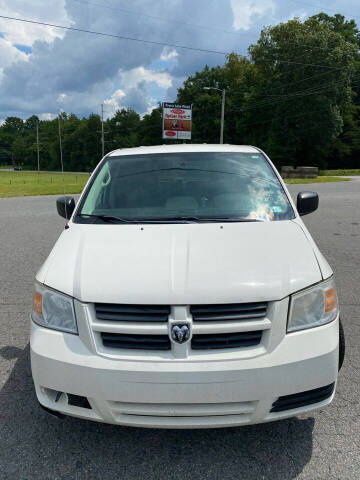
35 446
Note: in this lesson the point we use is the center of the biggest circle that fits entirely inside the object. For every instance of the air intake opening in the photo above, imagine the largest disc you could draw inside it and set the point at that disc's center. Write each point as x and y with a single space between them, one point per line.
78 401
136 342
302 399
226 340
132 313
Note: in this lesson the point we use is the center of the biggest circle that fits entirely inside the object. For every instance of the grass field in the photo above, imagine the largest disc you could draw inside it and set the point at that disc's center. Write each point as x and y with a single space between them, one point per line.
343 173
321 179
20 184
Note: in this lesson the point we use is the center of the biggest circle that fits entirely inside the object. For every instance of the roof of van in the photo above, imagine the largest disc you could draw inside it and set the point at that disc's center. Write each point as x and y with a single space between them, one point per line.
184 147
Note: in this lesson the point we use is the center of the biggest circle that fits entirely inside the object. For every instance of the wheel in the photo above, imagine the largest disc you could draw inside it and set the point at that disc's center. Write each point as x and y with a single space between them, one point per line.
341 345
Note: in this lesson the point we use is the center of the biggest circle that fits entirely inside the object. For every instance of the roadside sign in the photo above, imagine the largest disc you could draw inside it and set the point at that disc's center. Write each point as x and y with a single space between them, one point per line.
177 121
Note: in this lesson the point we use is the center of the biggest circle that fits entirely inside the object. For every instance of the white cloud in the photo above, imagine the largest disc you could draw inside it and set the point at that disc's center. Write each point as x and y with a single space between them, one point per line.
8 55
61 97
246 12
47 116
17 33
78 71
140 74
168 54
26 33
114 103
134 90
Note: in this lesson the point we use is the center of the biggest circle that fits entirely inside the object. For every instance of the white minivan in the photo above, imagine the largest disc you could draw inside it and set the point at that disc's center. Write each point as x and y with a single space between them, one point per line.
185 292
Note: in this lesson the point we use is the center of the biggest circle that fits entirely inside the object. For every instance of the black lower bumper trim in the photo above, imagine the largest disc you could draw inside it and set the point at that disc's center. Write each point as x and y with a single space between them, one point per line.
302 399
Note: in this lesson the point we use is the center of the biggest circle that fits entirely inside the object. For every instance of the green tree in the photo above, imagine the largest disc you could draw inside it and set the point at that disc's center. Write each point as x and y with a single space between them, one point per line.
123 129
150 128
303 88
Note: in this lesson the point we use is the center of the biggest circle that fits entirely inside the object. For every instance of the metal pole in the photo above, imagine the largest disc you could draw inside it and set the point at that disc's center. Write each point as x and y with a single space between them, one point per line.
60 145
37 145
102 130
222 116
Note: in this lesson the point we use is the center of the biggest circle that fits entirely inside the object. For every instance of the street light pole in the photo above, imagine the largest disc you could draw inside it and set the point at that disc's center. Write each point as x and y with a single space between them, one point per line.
222 110
102 131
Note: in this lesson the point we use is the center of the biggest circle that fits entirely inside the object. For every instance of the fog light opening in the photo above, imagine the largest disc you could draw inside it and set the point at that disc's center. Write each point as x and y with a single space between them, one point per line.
78 401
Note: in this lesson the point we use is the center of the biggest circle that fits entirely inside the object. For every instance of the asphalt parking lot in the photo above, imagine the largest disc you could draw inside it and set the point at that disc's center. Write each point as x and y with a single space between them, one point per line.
34 445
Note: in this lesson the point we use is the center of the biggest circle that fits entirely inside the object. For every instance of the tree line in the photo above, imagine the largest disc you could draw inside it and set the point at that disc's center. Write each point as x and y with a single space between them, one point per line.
296 96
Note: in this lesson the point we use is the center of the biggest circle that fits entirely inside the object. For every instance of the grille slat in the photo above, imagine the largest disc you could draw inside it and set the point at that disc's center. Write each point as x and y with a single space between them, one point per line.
136 342
226 340
302 399
231 311
132 313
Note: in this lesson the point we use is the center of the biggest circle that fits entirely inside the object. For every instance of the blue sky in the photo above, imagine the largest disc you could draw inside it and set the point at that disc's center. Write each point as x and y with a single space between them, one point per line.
44 69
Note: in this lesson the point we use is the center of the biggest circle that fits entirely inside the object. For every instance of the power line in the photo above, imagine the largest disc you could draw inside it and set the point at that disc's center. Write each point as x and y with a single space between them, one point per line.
112 35
167 20
322 7
302 80
152 42
284 118
301 93
155 17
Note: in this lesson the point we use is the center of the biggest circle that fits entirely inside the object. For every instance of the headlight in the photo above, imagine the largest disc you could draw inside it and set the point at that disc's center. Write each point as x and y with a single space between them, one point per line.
54 310
313 307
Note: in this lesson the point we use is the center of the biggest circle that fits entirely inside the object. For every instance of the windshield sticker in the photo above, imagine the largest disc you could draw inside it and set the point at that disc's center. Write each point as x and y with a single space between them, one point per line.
277 209
263 213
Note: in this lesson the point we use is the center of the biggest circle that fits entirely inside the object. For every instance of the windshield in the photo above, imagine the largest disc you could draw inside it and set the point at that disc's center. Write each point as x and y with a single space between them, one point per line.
185 186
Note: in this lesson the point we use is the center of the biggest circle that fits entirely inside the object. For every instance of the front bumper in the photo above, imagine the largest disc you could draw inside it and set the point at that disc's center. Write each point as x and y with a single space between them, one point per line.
182 393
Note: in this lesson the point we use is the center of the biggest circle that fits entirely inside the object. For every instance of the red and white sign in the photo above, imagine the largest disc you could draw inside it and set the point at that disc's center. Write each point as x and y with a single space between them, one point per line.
177 121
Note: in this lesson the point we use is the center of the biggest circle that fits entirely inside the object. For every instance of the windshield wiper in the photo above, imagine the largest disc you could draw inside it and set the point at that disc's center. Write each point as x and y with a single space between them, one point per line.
182 219
107 218
191 218
229 219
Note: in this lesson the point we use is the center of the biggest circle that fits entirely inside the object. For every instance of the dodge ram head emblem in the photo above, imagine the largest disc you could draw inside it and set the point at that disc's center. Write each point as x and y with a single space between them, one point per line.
180 333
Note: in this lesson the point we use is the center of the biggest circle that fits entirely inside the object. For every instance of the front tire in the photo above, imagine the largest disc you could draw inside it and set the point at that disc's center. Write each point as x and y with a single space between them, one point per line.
341 345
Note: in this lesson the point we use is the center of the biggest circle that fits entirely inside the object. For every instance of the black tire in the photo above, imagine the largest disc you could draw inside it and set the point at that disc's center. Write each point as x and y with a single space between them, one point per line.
341 345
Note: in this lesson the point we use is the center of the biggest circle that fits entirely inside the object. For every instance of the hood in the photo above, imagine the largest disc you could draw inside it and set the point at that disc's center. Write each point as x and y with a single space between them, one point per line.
181 264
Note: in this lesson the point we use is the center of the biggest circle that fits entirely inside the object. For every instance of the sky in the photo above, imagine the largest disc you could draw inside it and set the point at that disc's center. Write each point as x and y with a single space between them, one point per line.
44 70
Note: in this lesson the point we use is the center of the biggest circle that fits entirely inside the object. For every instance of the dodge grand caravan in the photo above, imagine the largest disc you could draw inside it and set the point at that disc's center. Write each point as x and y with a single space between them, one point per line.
185 292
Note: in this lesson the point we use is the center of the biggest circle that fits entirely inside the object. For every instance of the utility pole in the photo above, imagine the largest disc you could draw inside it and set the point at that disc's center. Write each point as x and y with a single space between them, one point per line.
37 145
102 131
222 116
60 145
222 110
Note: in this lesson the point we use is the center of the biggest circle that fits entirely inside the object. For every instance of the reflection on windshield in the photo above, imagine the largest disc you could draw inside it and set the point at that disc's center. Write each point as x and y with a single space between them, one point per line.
198 185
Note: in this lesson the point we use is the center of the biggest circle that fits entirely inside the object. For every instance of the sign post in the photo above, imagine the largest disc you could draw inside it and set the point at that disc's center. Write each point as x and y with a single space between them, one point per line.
177 121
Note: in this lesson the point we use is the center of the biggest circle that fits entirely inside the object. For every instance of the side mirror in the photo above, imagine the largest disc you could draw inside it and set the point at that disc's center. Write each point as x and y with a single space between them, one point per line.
65 206
307 202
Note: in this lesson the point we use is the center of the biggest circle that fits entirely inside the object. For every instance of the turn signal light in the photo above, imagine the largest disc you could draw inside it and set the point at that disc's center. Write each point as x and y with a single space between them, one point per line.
37 303
330 300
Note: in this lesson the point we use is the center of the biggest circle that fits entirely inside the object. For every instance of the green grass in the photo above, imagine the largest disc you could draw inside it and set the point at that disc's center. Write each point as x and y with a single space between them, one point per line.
6 167
322 179
337 173
20 184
